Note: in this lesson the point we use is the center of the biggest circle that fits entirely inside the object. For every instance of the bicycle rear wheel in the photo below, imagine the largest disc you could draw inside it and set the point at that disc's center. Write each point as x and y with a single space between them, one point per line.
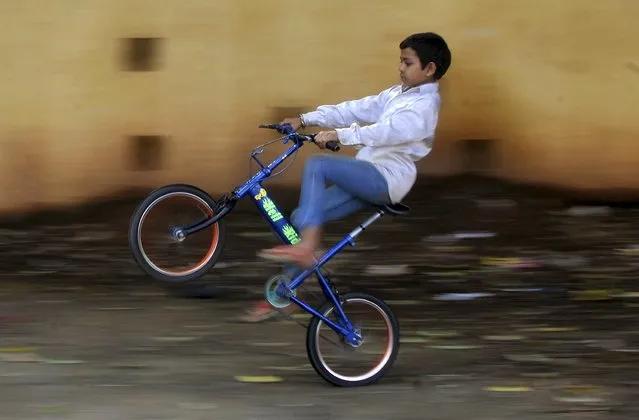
154 246
352 371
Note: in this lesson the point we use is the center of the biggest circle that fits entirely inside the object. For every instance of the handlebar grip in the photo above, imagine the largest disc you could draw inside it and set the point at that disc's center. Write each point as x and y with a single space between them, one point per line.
333 145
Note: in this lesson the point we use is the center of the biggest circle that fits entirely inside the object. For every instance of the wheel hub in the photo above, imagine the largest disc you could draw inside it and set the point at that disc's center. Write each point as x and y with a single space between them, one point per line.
177 234
354 339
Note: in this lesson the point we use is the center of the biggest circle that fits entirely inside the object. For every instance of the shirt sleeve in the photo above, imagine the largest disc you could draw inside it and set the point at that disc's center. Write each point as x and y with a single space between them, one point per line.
366 110
413 123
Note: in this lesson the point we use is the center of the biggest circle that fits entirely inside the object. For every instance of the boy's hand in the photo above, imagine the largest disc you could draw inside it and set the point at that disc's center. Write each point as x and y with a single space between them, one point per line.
324 137
295 122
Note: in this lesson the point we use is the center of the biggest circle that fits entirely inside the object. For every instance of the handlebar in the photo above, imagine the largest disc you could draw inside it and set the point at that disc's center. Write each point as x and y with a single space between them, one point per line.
287 130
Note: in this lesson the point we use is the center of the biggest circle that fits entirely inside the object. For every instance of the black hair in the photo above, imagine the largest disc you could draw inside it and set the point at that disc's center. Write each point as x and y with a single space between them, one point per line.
430 47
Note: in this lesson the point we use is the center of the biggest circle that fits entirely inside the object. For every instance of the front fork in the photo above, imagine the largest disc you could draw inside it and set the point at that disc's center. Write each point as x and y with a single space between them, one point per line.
221 209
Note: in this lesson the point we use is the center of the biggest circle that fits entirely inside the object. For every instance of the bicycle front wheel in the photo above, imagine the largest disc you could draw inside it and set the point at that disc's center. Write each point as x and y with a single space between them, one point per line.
158 252
343 364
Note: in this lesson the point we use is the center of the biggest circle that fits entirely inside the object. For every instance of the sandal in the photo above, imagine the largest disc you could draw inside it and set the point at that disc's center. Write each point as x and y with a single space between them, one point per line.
261 311
289 254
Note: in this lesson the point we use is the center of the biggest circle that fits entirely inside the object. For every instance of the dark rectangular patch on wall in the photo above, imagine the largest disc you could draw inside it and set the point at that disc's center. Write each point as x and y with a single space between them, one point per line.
146 152
478 155
141 54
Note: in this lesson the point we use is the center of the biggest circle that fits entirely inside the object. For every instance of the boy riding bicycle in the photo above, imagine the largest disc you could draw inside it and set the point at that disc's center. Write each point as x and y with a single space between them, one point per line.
392 131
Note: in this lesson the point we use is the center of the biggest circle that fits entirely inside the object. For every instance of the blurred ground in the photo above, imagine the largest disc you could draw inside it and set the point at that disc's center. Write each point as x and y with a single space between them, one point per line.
84 334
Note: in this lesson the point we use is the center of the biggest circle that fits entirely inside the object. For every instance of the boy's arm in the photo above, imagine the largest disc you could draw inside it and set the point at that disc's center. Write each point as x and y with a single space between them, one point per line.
366 110
407 125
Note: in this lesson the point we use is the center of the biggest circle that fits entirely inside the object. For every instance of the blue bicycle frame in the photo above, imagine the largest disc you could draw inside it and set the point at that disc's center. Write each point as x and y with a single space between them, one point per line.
288 234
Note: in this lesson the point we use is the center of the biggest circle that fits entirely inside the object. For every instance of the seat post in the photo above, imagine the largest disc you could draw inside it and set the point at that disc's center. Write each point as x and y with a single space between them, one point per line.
362 227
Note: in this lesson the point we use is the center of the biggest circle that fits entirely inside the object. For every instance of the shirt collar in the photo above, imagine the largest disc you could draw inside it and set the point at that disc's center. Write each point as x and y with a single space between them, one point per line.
432 87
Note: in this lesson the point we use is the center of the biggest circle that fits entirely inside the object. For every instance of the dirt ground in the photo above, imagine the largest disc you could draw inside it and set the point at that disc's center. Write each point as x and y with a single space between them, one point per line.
84 334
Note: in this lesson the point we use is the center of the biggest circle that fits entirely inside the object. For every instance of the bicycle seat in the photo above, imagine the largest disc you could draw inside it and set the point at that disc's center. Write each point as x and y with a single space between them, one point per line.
397 209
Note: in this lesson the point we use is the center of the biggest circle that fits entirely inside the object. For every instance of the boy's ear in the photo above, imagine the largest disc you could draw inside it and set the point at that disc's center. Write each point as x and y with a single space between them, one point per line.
430 69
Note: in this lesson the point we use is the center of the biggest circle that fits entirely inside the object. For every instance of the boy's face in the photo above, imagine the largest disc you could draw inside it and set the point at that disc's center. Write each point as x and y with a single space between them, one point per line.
410 69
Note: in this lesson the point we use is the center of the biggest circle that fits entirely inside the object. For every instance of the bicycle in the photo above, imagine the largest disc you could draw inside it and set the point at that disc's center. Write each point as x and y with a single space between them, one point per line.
280 291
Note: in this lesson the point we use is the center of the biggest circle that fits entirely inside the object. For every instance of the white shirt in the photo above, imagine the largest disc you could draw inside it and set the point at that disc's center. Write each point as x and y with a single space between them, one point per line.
401 131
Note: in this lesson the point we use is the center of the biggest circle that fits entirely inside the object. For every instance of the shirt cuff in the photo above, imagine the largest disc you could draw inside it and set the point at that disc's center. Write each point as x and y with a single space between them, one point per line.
312 118
346 136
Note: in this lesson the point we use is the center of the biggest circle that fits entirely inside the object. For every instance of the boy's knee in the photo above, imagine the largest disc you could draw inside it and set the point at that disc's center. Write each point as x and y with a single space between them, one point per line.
316 161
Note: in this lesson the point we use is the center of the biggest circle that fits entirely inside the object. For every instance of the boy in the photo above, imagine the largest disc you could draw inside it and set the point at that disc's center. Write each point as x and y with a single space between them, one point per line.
401 126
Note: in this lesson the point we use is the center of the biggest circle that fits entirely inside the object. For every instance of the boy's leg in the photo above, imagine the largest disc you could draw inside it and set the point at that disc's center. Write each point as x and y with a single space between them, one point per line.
354 179
357 184
337 204
358 179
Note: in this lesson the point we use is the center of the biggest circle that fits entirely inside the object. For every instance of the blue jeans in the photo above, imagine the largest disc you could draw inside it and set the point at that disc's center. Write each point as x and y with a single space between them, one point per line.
356 184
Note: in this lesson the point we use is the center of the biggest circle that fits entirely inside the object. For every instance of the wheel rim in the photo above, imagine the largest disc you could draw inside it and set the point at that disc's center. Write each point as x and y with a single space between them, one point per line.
208 211
387 353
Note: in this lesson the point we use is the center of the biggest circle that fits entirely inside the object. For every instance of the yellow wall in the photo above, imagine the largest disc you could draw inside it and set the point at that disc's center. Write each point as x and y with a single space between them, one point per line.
553 82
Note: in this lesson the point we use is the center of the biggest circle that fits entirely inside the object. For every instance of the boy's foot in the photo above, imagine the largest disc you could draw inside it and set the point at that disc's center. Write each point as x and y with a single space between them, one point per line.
299 255
263 311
